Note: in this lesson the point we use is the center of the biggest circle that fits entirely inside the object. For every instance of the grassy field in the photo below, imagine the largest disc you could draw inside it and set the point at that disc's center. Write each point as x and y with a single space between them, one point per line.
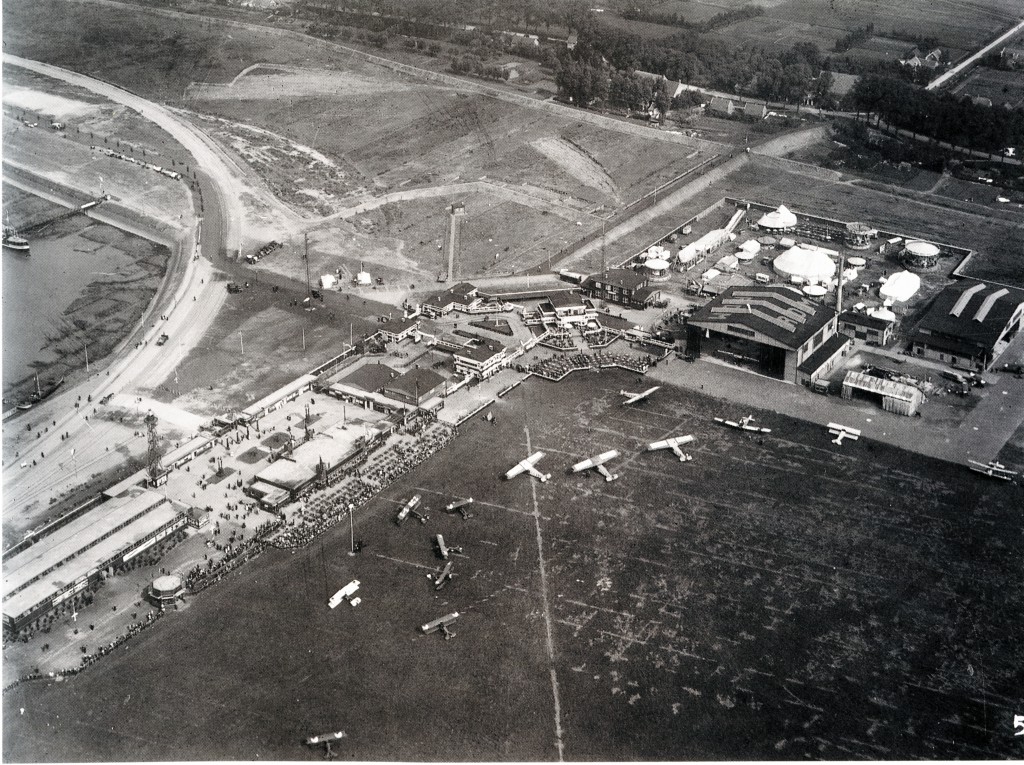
999 86
776 598
960 25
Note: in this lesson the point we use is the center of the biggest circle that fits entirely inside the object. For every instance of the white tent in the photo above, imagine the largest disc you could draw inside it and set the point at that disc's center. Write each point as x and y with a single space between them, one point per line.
882 313
900 287
751 245
710 274
778 220
363 278
727 263
327 281
811 264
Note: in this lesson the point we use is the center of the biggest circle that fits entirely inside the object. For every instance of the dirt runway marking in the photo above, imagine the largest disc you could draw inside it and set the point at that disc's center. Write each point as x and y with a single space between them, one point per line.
406 562
547 610
479 503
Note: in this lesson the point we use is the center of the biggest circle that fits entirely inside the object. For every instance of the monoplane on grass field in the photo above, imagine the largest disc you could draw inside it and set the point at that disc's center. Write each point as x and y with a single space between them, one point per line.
597 463
632 398
528 466
673 444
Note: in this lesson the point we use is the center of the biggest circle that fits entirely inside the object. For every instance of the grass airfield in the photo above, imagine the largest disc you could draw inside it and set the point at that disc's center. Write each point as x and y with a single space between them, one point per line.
782 600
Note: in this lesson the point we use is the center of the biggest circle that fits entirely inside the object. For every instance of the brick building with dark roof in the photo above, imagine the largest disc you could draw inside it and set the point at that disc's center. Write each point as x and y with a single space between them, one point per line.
462 296
623 286
414 387
774 329
969 324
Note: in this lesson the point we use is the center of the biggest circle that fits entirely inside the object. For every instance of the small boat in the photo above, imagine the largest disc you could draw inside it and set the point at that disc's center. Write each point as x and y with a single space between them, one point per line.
12 241
24 406
41 394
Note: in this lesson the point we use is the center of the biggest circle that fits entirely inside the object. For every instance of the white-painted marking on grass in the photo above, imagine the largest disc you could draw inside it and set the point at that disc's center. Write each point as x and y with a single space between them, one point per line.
547 610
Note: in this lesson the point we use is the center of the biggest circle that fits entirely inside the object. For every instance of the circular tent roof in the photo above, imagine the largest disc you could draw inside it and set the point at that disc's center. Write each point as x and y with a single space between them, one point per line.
813 290
745 255
856 262
811 265
922 249
751 245
167 583
767 241
686 254
657 264
781 218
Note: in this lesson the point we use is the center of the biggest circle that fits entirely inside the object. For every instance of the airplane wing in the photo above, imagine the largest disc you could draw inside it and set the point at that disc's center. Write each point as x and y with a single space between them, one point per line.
594 462
632 398
527 466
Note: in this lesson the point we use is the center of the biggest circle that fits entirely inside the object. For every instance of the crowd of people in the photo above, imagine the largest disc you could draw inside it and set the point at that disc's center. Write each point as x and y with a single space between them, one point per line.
199 578
557 367
324 508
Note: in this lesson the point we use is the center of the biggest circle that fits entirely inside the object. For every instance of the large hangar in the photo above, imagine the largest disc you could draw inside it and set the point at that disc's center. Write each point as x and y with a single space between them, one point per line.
969 324
773 329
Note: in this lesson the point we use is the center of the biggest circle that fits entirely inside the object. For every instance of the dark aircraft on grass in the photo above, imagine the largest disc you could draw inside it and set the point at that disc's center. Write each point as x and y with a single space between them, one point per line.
528 466
597 463
441 624
632 398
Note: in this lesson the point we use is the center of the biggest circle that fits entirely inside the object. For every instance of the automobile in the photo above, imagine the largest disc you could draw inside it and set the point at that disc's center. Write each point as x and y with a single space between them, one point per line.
162 339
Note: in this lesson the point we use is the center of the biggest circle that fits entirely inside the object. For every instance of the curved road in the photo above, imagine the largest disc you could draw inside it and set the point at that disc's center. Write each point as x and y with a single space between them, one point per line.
190 306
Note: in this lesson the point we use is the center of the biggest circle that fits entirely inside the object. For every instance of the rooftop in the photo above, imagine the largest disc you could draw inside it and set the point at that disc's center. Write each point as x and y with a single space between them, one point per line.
463 293
416 382
626 278
370 377
780 313
827 350
481 352
973 312
890 388
398 325
286 474
74 538
863 320
565 300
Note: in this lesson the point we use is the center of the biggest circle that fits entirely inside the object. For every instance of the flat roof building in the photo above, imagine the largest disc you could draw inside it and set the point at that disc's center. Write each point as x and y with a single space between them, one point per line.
969 324
63 563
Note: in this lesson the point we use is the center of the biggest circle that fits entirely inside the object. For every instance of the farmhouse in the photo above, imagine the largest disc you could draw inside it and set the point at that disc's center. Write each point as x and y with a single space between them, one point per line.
773 329
723 107
64 562
969 324
726 107
1012 56
623 286
672 87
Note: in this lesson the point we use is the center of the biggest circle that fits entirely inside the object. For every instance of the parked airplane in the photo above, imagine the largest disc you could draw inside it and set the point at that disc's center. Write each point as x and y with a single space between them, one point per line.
744 424
410 509
460 506
842 431
345 593
632 398
993 470
444 550
441 624
326 739
446 575
527 466
673 444
598 464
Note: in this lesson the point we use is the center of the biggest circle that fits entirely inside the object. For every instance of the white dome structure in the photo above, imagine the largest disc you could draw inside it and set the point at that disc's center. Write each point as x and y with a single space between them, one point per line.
814 291
781 219
811 265
882 313
900 287
658 268
752 246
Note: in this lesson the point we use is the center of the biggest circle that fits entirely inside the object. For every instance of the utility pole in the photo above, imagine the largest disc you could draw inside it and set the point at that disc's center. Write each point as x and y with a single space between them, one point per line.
87 358
241 344
305 256
351 530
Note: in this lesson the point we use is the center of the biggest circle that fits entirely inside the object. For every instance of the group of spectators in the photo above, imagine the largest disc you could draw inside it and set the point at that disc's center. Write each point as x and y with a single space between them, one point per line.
556 367
323 509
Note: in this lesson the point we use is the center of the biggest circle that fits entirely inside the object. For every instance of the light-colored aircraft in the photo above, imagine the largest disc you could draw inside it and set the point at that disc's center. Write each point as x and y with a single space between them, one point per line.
673 444
444 550
597 463
993 469
446 575
345 593
528 466
632 398
441 624
842 431
744 424
326 739
460 506
410 509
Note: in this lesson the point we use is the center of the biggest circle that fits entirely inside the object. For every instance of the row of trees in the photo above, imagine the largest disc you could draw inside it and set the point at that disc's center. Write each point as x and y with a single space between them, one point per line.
940 115
723 19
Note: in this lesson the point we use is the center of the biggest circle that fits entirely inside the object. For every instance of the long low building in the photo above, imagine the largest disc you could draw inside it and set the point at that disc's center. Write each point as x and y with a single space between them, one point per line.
64 563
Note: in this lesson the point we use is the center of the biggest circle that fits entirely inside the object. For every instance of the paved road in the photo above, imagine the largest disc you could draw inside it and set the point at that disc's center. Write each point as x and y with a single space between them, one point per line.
939 81
189 298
